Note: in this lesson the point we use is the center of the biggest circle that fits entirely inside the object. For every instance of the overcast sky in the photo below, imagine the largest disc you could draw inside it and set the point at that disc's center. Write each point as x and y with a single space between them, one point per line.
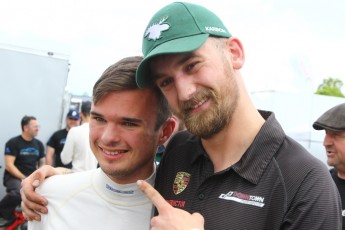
290 45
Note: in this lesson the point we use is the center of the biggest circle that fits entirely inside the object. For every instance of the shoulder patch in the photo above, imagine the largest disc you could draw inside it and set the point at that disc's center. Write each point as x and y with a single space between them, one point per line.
181 182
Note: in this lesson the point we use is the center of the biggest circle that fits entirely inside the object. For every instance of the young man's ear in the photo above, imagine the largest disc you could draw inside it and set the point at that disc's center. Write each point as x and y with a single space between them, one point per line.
236 51
168 129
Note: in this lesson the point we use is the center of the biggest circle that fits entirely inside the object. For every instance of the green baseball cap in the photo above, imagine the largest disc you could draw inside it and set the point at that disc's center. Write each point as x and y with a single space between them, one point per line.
177 28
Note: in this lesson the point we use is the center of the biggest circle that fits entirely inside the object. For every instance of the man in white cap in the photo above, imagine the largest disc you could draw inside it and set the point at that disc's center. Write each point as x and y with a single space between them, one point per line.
333 122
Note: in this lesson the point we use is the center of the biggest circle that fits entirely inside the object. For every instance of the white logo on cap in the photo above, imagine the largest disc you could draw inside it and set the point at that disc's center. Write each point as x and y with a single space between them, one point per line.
215 29
154 31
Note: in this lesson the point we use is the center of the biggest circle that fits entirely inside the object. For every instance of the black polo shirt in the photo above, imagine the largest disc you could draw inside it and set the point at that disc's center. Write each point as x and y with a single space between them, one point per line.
277 184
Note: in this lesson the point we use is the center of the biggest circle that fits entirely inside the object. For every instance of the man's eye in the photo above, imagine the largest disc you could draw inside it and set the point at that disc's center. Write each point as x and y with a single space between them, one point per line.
98 119
165 82
190 66
129 124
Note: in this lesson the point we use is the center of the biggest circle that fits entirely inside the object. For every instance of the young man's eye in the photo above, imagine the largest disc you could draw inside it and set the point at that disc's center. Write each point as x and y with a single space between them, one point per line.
129 124
98 119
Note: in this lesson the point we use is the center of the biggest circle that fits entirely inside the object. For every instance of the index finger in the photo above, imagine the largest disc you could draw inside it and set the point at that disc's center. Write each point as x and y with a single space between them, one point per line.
153 195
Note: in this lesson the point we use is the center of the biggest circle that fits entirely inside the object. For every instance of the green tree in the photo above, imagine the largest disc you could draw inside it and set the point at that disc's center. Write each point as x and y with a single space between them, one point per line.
330 87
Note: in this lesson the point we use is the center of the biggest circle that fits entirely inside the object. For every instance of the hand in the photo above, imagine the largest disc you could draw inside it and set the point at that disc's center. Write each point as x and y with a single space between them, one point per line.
170 218
32 203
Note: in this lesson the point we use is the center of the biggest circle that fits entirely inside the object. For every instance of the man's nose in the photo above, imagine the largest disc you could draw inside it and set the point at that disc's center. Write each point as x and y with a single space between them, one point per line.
185 87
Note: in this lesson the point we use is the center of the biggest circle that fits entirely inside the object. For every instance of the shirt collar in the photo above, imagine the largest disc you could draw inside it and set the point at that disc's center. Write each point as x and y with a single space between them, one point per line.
259 154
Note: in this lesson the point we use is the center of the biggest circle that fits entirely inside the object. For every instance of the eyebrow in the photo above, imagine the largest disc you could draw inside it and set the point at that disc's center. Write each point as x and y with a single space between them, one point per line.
127 119
133 120
185 57
96 114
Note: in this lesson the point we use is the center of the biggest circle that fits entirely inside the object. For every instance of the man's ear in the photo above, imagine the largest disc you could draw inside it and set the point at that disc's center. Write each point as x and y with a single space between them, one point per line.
236 51
168 128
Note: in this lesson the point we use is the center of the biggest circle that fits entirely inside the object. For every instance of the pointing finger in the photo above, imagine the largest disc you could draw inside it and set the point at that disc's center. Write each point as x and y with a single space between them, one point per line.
154 196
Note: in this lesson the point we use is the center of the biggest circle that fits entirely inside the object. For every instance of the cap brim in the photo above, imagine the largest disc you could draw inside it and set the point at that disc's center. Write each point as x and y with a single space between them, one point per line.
75 118
318 126
181 45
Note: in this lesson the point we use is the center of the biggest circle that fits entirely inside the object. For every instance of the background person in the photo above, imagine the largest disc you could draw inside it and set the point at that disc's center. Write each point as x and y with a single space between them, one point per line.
77 149
333 122
23 154
236 162
57 141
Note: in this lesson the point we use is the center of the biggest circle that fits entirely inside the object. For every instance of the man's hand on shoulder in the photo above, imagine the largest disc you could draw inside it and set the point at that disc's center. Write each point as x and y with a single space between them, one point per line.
32 203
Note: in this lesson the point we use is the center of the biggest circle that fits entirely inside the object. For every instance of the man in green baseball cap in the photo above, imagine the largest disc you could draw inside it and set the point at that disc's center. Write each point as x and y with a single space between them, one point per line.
236 166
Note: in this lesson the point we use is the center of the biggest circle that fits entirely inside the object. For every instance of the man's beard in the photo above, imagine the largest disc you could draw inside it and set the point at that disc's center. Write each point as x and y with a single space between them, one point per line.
210 122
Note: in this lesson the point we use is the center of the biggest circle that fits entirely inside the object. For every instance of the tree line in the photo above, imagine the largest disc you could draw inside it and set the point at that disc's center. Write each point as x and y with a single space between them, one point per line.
330 87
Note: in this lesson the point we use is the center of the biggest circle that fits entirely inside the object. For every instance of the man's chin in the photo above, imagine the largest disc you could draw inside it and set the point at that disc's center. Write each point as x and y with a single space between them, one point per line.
330 162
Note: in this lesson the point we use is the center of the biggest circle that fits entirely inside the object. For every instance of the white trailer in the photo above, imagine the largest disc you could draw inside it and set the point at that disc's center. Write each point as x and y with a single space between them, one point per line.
32 83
